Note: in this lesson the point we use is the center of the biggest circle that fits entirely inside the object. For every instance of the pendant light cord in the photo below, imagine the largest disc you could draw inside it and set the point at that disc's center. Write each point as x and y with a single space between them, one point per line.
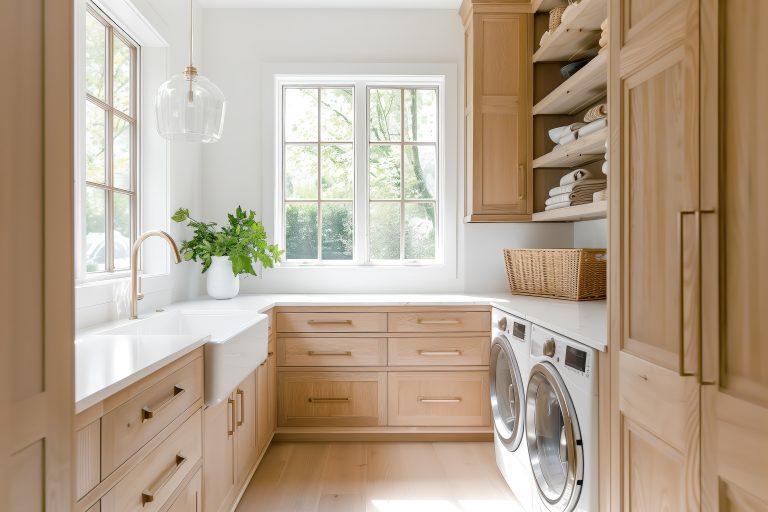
191 38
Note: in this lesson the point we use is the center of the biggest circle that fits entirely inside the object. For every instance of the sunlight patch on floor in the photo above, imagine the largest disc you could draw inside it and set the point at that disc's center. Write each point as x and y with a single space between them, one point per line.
446 506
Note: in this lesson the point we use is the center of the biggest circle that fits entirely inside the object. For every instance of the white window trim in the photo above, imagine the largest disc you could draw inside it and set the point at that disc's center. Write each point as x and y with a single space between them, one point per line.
397 276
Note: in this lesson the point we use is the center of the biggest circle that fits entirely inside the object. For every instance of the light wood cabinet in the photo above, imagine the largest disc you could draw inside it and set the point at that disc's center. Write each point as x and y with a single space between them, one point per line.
498 182
248 419
264 429
191 497
443 351
331 322
688 292
333 352
219 472
272 372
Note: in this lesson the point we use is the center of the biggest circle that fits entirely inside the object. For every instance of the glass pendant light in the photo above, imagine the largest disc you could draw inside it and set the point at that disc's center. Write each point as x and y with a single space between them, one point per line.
190 107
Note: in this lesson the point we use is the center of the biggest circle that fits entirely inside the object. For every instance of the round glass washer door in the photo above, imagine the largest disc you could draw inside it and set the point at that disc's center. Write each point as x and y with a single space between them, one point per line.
554 439
506 394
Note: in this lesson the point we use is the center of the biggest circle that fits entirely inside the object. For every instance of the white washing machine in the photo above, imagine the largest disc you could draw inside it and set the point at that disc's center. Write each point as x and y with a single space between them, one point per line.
509 374
561 423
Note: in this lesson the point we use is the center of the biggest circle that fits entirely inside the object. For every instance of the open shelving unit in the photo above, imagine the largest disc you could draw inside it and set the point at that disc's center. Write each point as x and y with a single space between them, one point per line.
583 89
577 34
589 148
587 211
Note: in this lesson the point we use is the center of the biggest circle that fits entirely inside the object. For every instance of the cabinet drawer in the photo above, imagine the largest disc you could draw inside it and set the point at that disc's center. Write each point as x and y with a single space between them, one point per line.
156 477
190 498
439 351
331 322
450 399
131 425
440 321
332 399
332 352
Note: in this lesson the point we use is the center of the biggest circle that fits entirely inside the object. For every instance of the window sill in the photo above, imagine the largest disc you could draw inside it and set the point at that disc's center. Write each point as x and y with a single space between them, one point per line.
92 292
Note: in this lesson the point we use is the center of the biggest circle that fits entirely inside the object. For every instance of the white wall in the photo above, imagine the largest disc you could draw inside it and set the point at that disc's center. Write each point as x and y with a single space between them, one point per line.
237 43
171 172
592 234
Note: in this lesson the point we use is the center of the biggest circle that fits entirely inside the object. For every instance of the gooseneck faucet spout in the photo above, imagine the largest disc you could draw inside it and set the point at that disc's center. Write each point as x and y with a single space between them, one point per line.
136 295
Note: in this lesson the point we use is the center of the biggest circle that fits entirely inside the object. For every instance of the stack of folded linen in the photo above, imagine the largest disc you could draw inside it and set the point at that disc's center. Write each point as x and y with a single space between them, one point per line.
604 35
576 187
564 134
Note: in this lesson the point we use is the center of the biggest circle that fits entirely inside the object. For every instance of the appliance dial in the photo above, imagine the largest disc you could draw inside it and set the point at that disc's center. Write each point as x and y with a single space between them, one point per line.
503 323
549 348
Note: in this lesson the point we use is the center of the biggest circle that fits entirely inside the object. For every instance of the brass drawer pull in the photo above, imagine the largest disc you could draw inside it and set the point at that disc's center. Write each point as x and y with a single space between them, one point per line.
439 352
147 413
230 417
329 353
329 322
148 496
447 321
240 421
447 400
340 400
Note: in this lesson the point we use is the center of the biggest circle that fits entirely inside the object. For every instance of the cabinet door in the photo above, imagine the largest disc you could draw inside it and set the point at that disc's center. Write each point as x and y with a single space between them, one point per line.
498 118
190 499
735 289
272 386
265 428
219 455
246 418
655 293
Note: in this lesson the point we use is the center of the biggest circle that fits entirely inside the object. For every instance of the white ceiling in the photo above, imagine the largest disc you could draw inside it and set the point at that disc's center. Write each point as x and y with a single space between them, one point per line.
333 4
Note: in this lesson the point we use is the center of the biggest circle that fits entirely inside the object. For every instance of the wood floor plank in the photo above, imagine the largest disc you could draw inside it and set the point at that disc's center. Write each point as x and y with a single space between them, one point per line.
378 477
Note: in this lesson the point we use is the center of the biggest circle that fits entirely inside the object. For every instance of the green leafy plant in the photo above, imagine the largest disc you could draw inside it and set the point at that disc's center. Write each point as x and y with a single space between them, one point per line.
243 241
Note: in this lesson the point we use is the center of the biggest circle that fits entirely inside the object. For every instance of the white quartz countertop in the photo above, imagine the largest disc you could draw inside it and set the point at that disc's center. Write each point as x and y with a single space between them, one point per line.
106 364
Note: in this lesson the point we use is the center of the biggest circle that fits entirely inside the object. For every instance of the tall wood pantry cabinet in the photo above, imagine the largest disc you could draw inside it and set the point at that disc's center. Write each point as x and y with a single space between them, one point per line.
689 235
498 183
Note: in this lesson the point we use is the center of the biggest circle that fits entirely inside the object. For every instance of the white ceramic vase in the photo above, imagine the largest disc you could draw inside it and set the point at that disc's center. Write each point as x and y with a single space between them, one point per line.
221 283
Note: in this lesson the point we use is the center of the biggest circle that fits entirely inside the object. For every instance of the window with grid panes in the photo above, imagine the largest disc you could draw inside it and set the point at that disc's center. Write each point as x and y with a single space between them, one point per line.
365 196
111 159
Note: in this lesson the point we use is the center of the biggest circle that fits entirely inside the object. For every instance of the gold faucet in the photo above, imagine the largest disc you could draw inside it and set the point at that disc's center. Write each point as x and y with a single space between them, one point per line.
136 296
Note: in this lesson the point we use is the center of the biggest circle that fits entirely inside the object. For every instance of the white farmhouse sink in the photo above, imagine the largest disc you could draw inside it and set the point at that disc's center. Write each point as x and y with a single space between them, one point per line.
237 342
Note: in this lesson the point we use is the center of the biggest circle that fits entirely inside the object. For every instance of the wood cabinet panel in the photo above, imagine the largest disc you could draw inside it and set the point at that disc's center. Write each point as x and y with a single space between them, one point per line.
332 352
331 322
332 398
87 458
439 351
439 399
264 430
272 375
191 497
247 420
219 477
131 425
440 321
154 480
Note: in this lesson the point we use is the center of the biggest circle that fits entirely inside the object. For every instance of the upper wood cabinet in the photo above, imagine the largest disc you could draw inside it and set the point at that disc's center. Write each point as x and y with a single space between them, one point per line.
498 184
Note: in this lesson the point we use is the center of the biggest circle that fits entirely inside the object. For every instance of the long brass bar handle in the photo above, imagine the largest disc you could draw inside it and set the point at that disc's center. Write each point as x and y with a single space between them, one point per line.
681 299
149 412
148 496
230 417
329 353
446 400
241 418
447 321
703 366
329 322
439 352
339 400
522 180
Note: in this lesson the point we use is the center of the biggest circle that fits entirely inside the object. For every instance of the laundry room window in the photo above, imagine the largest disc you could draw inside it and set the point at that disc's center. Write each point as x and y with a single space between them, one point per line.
360 170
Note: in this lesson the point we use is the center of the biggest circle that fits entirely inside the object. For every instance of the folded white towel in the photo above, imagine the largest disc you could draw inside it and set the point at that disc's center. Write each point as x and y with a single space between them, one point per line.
605 168
555 134
556 206
584 184
576 197
575 175
568 138
593 127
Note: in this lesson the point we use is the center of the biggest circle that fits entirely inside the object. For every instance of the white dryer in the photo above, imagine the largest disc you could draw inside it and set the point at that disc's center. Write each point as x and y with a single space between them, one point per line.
509 374
562 423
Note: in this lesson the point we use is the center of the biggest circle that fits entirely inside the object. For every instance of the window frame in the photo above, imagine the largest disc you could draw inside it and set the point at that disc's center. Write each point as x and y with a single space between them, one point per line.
361 84
134 120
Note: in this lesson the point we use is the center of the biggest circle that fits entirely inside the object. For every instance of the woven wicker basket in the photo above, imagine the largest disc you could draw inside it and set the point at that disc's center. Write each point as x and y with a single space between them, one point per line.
554 17
575 274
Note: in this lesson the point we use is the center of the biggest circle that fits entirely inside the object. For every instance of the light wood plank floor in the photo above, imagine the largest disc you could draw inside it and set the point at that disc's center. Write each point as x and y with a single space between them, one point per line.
378 477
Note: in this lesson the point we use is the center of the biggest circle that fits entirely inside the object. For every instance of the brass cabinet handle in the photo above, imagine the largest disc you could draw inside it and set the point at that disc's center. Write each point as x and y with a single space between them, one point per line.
316 400
439 352
329 322
149 412
329 353
148 496
241 394
445 400
522 179
230 416
681 299
270 354
447 321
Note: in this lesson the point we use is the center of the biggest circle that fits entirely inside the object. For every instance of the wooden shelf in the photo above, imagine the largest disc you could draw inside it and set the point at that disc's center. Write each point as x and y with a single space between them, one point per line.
545 5
589 148
587 211
581 90
577 35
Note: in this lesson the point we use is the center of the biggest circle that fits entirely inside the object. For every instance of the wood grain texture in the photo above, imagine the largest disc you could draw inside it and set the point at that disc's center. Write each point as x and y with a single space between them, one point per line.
332 352
87 458
219 472
439 321
331 322
439 351
264 429
247 416
191 497
376 477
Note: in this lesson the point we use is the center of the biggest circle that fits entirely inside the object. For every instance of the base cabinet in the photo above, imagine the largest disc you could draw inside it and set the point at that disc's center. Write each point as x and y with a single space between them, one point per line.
191 497
219 456
247 410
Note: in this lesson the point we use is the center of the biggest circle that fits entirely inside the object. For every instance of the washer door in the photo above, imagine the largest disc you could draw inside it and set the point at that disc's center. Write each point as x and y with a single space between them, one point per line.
507 394
554 439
